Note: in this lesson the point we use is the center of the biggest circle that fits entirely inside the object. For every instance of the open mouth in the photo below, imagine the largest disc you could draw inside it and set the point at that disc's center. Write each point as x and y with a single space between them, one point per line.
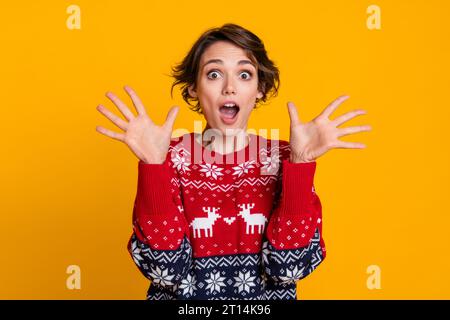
229 111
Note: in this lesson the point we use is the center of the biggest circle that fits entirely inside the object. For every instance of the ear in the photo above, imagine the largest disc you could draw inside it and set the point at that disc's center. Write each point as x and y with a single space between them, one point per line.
192 91
259 95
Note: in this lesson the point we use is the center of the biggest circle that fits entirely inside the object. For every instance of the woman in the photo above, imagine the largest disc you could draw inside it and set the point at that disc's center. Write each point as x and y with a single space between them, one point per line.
227 214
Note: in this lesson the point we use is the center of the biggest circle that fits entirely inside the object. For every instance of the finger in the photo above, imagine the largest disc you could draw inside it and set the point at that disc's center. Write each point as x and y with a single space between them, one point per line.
347 116
349 145
109 133
171 116
333 106
136 100
121 106
111 116
293 114
350 130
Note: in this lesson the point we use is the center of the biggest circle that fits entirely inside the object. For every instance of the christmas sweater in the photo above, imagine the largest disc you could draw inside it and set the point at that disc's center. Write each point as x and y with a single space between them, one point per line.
243 225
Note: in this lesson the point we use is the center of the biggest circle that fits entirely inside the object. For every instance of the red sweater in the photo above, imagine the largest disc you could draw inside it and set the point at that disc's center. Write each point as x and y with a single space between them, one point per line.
246 225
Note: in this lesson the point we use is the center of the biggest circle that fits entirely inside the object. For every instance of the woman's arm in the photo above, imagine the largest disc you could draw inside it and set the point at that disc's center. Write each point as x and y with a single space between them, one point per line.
294 245
159 245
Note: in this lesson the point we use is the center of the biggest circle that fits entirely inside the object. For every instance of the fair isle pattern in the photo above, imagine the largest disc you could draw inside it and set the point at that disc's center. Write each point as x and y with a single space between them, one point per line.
182 151
163 267
176 276
225 231
274 291
290 256
270 160
199 184
275 150
180 158
227 261
281 291
295 264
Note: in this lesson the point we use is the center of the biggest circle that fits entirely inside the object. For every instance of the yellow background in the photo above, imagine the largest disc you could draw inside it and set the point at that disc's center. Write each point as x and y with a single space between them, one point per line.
67 192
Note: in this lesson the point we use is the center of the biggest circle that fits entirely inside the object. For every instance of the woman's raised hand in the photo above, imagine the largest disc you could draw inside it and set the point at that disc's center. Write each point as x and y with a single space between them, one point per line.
149 142
312 139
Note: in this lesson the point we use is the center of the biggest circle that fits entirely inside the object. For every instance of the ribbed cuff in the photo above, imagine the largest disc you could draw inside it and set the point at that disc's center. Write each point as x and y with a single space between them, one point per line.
298 179
154 189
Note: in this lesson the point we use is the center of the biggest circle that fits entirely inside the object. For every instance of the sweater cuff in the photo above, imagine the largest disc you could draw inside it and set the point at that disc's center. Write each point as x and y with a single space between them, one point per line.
297 190
154 193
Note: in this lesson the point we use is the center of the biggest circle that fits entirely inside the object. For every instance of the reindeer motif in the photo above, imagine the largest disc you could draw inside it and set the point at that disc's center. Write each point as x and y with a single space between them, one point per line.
206 224
252 219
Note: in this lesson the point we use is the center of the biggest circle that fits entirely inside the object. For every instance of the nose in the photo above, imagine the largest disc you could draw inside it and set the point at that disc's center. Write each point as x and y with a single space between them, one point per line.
229 87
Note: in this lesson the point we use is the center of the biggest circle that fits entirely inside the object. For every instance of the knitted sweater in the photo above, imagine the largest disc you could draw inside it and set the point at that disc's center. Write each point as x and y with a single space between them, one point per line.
245 225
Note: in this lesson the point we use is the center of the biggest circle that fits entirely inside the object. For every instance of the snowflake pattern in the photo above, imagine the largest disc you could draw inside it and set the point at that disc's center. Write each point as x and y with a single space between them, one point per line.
171 280
180 162
188 285
215 282
243 168
244 281
161 277
292 275
271 164
211 170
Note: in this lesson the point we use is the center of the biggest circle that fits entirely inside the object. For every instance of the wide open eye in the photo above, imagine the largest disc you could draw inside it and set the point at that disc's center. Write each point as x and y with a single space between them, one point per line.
247 74
213 74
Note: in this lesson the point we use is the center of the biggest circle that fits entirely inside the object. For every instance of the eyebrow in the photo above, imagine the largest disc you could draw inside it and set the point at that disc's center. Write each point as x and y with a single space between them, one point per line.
240 62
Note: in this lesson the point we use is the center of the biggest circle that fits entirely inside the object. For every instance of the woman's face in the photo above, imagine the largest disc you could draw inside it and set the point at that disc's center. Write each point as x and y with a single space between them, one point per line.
227 87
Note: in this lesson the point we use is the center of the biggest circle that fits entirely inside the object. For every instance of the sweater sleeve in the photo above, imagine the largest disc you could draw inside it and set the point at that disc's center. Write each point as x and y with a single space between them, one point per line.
159 244
294 245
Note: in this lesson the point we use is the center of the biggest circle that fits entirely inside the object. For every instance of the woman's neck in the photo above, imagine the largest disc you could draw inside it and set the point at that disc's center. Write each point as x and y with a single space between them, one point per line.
225 144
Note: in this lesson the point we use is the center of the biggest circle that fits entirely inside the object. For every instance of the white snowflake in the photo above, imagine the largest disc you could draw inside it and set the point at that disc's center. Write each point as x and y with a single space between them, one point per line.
180 162
211 170
271 164
243 168
244 281
292 275
188 284
161 276
215 282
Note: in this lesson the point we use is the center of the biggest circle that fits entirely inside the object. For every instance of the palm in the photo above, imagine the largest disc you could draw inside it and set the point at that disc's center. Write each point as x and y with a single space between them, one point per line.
143 134
311 140
146 140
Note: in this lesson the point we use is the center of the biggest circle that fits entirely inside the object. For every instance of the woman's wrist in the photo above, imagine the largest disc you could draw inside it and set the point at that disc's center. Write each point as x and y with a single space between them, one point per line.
152 160
294 159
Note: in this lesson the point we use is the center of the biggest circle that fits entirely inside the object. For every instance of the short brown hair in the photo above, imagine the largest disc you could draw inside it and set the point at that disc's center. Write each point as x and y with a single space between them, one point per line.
185 73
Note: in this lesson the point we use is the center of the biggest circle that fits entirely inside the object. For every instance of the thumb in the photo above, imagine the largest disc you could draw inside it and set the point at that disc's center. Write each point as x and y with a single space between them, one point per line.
293 115
171 116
